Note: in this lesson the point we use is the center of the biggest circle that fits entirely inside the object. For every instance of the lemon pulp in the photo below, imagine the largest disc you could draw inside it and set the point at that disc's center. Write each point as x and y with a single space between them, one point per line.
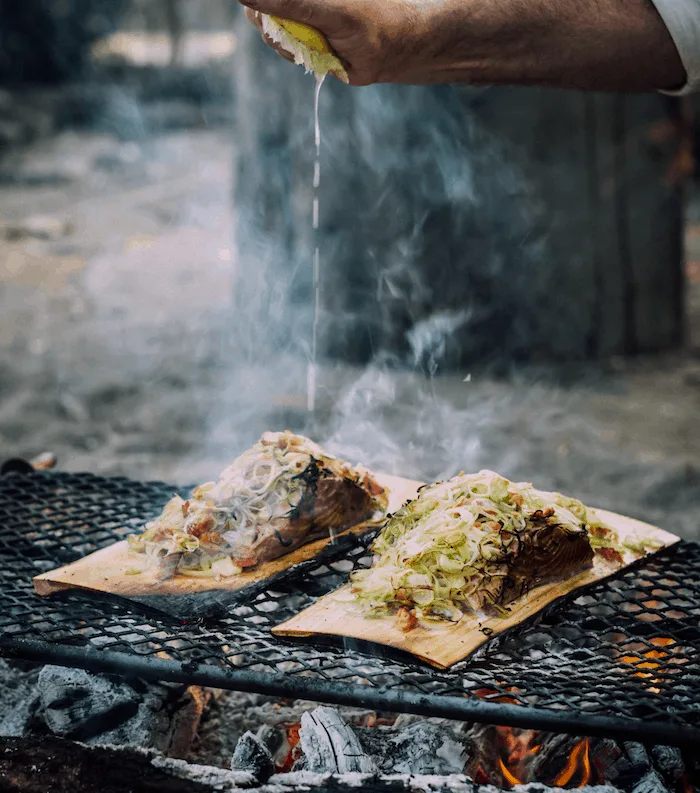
307 45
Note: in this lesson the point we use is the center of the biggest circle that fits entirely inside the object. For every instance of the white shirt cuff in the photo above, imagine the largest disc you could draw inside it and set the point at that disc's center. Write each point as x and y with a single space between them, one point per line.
682 18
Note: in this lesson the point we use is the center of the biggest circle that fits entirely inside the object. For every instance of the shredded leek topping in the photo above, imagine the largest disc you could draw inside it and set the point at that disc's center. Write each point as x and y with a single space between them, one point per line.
449 551
222 520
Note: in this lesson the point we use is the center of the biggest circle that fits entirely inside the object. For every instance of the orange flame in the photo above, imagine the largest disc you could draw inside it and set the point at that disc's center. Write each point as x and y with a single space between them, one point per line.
578 760
508 776
516 749
578 766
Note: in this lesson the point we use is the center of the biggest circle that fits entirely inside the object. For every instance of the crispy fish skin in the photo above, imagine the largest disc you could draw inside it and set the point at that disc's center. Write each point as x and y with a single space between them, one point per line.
545 552
331 504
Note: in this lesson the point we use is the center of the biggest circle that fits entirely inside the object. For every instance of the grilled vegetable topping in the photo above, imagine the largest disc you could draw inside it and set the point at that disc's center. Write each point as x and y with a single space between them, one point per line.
475 543
278 495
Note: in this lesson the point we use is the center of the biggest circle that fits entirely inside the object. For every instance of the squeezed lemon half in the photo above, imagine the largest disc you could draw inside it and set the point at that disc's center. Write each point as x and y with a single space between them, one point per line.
308 46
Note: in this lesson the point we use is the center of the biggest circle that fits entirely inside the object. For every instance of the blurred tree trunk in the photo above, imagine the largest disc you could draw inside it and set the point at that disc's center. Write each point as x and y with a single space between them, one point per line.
458 225
693 112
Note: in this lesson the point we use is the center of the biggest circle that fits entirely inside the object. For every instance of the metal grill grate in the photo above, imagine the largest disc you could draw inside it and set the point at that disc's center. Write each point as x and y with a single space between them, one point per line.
621 660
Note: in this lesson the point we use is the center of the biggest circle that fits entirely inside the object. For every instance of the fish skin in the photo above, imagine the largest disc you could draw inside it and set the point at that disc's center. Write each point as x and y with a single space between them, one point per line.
330 505
168 565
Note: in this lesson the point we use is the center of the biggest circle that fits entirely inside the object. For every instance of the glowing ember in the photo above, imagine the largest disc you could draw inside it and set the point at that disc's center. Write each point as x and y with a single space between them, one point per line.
647 660
481 777
655 654
292 754
662 641
492 695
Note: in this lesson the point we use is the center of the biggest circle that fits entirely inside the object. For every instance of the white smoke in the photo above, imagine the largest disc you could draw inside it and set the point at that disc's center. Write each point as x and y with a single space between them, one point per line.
167 359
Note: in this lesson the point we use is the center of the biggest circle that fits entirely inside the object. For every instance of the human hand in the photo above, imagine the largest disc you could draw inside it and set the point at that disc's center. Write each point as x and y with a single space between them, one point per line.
600 45
392 41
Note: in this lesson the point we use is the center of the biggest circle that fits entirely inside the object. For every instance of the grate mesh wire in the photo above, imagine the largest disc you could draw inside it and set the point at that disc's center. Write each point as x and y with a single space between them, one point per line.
628 649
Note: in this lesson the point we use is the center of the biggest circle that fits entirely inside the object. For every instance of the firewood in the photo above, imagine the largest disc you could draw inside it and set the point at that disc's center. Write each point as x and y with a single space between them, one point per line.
253 756
644 771
419 748
72 703
538 757
330 745
531 756
39 764
669 761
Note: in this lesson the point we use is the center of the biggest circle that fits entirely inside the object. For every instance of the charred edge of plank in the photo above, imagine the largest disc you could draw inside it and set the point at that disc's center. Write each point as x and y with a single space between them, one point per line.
215 604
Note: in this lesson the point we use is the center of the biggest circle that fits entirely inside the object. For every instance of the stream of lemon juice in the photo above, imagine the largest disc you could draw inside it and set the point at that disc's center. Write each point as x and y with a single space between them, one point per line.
316 281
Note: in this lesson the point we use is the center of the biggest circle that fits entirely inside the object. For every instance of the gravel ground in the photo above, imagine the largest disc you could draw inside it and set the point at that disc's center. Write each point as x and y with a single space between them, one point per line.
118 351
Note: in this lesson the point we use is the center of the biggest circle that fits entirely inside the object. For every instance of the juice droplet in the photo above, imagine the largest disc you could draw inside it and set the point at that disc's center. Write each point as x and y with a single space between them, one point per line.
317 272
317 126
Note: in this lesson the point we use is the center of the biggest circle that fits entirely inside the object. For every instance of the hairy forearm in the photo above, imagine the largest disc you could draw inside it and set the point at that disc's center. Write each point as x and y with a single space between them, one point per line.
586 44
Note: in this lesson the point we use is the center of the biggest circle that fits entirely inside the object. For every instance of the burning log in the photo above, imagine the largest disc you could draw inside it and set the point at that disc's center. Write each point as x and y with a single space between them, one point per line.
569 761
36 764
329 745
276 722
72 703
33 765
646 771
419 748
669 761
508 757
252 755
